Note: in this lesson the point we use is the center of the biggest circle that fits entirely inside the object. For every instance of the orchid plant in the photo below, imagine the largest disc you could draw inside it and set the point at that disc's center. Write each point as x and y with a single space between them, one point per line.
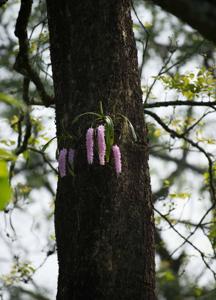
103 128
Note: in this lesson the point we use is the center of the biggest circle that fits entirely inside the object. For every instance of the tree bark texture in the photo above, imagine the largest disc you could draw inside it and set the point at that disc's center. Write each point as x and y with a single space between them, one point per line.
104 223
199 14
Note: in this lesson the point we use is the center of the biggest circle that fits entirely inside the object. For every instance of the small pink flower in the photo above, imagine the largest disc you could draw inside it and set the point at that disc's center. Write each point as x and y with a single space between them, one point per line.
90 145
117 159
101 144
71 153
62 162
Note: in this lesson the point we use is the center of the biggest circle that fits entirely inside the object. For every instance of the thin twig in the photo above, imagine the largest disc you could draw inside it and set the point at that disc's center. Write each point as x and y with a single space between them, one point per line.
44 158
145 45
203 256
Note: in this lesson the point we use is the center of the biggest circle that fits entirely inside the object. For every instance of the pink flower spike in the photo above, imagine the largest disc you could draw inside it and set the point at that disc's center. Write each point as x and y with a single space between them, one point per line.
71 153
117 159
62 162
101 144
90 145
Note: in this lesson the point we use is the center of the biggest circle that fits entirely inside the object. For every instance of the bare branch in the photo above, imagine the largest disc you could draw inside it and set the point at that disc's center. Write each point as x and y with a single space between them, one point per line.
22 64
44 158
203 256
211 104
166 157
199 14
145 44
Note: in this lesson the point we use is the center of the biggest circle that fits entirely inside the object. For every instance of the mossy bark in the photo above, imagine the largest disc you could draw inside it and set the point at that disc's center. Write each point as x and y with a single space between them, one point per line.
104 223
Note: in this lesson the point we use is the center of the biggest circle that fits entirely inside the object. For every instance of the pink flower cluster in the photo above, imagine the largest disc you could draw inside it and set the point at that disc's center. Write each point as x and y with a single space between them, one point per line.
117 159
90 145
101 143
64 156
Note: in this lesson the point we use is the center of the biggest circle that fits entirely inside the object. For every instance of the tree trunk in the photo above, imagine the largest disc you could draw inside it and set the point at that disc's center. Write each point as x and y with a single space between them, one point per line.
104 223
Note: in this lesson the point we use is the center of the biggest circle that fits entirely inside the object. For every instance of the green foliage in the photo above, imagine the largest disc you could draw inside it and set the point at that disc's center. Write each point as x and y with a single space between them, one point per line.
168 282
179 195
206 174
7 99
6 192
212 232
21 271
7 155
166 276
192 85
154 132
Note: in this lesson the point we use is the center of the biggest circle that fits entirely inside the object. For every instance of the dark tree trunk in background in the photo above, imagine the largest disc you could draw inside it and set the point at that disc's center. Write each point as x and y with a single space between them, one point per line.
199 14
104 224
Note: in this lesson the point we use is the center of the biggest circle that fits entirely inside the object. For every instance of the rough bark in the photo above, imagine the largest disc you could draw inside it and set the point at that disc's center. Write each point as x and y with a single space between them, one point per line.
199 14
104 224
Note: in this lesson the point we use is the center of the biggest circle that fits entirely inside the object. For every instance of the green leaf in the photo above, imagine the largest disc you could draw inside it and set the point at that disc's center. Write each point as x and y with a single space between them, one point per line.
131 127
166 275
180 195
167 183
47 144
198 291
5 189
86 114
109 135
157 132
132 130
136 26
12 101
101 108
6 155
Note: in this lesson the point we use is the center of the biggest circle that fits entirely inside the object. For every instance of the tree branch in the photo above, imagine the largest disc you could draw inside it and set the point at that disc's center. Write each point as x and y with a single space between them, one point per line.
211 104
22 64
199 14
2 2
144 43
44 158
179 162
